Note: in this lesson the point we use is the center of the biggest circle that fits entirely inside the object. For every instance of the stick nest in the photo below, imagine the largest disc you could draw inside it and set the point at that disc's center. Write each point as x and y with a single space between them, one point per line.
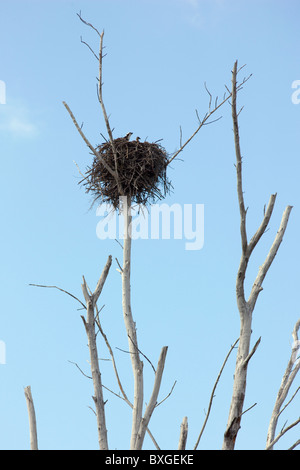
141 171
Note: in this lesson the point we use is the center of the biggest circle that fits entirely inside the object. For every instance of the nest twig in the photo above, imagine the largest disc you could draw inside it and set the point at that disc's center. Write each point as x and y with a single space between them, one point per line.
141 170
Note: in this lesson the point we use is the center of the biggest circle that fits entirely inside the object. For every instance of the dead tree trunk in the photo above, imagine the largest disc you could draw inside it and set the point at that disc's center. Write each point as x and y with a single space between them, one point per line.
137 364
32 419
246 307
89 323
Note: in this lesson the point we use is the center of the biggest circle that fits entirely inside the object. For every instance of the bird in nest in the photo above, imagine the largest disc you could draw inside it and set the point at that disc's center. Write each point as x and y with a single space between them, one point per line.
127 136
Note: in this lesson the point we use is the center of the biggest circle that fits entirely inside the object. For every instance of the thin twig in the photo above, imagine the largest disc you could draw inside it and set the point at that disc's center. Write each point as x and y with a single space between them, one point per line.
83 42
248 409
167 396
208 115
88 24
79 171
83 373
147 359
289 402
62 290
213 393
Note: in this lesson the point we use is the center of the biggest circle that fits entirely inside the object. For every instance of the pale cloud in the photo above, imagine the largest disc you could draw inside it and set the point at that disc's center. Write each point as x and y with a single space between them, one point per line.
21 127
192 3
197 3
204 13
16 120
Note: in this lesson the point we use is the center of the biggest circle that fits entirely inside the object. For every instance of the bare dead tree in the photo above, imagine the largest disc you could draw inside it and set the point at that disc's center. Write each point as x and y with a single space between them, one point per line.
89 323
288 379
246 307
139 421
140 416
32 418
96 377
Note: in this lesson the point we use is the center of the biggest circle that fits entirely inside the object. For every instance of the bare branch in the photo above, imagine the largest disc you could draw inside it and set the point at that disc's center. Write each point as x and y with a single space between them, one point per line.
89 324
201 124
213 393
246 307
88 24
62 290
282 432
289 375
252 352
238 160
100 98
86 44
207 116
257 285
183 434
262 228
119 243
32 418
138 350
88 142
290 401
85 290
210 96
83 373
102 280
153 399
248 409
294 445
79 171
167 396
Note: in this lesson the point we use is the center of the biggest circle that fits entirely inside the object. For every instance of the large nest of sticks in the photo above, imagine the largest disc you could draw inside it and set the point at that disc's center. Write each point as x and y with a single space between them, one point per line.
140 168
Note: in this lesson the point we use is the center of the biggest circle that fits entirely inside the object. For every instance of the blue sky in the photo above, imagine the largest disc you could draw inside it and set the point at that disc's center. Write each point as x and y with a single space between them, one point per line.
159 54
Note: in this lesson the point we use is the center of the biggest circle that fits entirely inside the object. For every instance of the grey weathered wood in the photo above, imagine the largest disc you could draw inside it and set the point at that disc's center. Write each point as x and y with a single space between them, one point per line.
246 307
89 323
32 419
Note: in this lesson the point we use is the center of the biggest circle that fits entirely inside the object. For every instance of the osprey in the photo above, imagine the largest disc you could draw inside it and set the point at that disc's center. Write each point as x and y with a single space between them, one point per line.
127 136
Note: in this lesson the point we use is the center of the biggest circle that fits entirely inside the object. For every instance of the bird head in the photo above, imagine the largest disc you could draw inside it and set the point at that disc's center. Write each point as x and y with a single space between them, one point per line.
127 136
